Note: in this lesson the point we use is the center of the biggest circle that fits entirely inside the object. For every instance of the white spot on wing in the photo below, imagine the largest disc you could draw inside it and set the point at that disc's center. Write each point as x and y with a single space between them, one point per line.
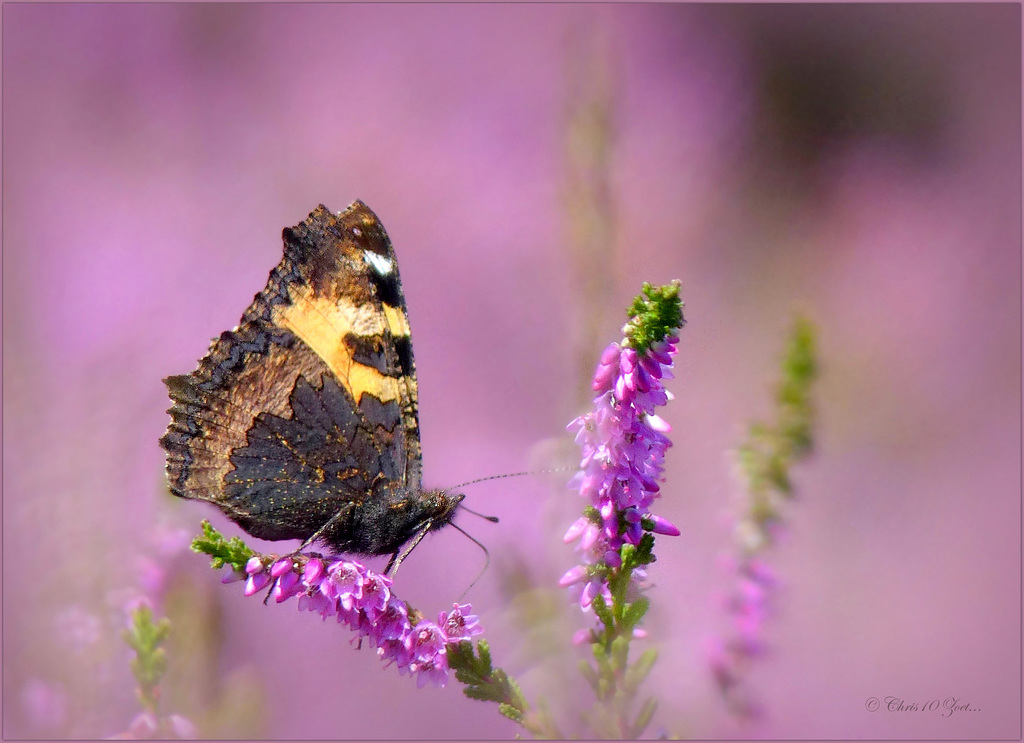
382 265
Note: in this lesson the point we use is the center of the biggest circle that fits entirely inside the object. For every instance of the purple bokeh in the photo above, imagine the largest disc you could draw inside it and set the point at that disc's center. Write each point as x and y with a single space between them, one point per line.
153 153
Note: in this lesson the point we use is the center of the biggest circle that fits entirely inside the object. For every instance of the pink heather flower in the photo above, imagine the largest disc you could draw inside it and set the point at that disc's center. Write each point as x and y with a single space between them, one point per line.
230 575
79 628
760 572
376 592
362 599
152 575
427 646
146 726
573 575
344 582
434 671
721 663
607 369
748 608
595 587
45 704
281 567
578 527
315 570
660 525
582 636
313 599
181 727
258 579
623 448
287 585
459 625
143 726
426 641
392 623
395 651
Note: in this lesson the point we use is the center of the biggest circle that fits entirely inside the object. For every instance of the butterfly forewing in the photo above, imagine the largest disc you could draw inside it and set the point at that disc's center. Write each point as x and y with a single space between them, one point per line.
307 411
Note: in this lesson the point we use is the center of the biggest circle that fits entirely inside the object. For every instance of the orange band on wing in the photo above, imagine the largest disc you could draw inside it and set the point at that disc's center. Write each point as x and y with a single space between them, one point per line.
322 324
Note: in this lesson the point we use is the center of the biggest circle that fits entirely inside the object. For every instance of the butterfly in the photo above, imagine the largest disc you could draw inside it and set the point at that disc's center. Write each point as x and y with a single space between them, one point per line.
301 422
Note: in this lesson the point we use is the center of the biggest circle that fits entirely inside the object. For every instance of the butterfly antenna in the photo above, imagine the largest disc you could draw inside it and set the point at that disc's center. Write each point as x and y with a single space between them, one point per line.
492 519
513 474
487 562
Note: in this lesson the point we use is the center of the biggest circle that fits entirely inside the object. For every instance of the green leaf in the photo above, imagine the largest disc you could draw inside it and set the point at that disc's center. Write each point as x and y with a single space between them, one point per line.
589 674
601 658
543 724
145 637
462 660
602 612
638 671
620 652
473 668
515 692
643 719
485 654
645 549
511 713
626 553
634 613
233 552
655 313
480 693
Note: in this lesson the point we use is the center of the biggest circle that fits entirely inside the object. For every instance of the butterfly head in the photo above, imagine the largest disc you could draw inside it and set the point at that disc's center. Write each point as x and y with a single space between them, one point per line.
439 507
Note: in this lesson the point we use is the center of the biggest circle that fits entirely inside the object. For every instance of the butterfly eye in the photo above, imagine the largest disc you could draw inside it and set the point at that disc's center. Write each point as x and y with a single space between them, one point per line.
446 503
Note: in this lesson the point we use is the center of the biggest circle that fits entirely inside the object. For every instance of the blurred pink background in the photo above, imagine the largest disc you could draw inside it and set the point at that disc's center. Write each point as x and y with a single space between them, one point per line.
861 163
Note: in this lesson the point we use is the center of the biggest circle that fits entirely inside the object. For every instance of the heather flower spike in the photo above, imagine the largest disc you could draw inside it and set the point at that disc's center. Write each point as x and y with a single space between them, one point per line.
343 589
623 446
763 463
353 595
146 637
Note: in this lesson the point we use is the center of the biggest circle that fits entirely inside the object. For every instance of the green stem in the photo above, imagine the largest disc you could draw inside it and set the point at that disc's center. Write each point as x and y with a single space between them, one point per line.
472 666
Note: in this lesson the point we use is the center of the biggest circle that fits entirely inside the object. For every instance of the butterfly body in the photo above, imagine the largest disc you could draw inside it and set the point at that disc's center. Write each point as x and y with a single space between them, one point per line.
301 423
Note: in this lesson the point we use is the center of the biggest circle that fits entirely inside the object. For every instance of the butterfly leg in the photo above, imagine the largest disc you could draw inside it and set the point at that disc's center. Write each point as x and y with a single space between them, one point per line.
270 590
401 554
323 529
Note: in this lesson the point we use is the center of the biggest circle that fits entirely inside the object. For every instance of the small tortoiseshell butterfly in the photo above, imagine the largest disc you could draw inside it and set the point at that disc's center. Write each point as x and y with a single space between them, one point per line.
301 423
